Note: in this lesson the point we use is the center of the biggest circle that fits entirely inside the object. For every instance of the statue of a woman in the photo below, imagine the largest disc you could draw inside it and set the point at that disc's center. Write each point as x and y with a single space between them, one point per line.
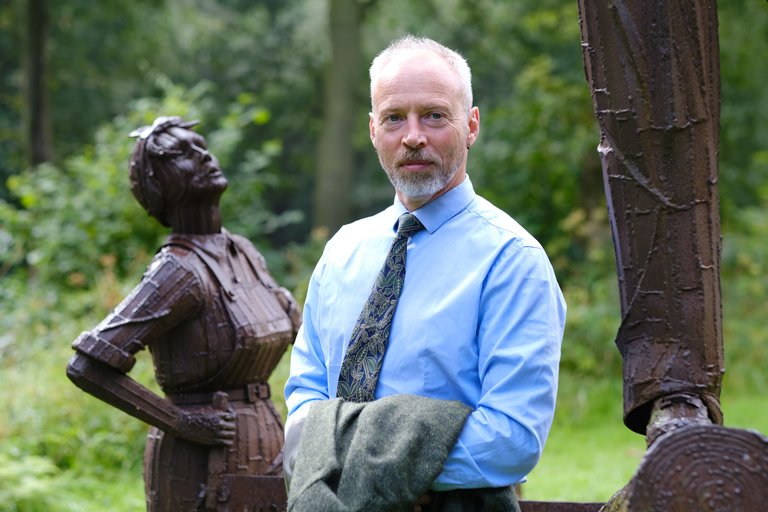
216 324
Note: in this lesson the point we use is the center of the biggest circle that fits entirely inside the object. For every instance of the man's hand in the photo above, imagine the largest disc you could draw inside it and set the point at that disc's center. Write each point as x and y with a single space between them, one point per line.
208 428
424 499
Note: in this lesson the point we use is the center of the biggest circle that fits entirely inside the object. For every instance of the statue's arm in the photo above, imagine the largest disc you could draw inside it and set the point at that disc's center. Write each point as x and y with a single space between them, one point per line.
121 391
167 295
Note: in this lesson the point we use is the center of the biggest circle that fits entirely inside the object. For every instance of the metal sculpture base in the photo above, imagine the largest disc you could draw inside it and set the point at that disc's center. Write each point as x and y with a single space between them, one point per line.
705 468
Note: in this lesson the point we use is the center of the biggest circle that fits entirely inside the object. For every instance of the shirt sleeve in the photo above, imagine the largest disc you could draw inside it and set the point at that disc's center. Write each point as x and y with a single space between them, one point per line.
520 328
308 379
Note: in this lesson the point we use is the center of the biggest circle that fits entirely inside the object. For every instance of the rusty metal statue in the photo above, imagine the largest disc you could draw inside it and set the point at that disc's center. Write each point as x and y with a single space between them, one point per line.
216 324
653 68
656 96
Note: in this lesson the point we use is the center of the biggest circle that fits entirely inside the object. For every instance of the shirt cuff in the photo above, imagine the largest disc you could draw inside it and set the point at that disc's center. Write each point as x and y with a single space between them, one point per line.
294 426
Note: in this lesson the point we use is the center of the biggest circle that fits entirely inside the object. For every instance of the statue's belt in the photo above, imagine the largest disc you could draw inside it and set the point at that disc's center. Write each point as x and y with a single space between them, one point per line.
248 393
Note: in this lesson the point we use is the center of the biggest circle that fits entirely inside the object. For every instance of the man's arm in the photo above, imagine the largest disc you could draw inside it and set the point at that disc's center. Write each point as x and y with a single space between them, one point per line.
308 378
520 328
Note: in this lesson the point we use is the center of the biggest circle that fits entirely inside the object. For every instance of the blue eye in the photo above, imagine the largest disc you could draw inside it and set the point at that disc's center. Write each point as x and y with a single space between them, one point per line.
393 117
435 116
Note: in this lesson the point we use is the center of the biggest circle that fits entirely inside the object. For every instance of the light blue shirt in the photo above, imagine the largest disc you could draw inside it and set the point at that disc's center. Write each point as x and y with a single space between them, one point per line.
480 320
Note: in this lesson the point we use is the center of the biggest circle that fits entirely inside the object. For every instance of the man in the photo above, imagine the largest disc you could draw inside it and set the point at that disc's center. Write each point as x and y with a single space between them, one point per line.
480 316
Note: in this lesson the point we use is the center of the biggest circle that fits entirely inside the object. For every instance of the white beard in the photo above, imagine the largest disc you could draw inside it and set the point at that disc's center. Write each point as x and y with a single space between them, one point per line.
420 184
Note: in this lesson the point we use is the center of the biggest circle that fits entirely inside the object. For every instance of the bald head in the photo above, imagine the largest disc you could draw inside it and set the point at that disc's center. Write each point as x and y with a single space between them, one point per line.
411 46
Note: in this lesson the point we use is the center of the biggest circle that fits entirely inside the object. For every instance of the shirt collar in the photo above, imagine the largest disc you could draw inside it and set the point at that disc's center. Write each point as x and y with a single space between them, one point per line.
441 209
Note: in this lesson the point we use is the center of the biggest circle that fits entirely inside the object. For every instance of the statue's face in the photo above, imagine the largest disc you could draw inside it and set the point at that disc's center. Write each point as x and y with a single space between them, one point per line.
197 170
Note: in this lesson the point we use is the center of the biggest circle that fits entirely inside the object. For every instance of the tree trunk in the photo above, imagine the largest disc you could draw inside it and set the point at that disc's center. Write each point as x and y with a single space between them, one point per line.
653 68
335 162
38 119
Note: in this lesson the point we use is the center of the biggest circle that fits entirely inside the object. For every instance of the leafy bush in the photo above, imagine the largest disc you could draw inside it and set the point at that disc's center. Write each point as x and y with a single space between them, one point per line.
75 221
745 309
28 483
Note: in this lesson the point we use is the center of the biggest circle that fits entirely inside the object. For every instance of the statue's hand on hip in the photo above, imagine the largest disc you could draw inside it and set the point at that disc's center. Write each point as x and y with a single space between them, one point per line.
208 428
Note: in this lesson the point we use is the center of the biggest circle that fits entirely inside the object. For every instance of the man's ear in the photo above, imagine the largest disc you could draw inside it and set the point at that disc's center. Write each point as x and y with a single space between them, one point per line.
372 128
474 126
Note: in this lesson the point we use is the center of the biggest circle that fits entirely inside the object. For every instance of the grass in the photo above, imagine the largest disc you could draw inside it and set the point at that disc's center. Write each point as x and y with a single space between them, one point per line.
590 454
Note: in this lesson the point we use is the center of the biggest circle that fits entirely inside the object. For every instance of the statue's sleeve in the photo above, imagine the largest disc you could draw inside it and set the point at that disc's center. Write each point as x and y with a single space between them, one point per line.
169 293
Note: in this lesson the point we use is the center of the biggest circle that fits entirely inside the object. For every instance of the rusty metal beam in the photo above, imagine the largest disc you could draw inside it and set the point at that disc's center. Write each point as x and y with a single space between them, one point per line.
558 506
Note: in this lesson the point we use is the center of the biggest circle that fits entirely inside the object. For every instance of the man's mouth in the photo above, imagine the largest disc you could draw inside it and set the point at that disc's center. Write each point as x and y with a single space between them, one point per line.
415 165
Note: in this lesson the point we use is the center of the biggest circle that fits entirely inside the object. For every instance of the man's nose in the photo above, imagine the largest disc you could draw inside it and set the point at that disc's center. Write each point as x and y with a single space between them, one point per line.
414 134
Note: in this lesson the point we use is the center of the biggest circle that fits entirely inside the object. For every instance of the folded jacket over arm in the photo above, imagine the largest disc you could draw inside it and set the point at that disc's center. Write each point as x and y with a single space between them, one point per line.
380 455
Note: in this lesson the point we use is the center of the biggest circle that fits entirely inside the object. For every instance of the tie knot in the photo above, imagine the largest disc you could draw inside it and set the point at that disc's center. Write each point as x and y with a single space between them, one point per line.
408 224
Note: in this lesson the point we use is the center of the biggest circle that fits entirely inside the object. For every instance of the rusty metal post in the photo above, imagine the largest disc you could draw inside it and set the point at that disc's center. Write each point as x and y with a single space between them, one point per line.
653 69
654 74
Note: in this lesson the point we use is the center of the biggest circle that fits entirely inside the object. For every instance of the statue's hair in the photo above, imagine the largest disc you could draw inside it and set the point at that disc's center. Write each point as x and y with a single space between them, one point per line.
151 172
411 43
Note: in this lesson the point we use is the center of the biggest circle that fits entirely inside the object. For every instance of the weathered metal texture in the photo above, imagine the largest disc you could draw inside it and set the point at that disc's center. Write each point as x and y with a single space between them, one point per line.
251 493
216 324
703 468
558 506
653 70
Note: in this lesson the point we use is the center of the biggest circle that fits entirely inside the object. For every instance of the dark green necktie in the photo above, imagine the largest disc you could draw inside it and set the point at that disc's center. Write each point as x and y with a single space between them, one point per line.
360 369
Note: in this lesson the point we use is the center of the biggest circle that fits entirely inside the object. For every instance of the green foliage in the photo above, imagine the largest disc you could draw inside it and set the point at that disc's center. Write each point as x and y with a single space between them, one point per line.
28 484
593 320
538 177
57 449
257 59
745 309
744 106
76 221
590 455
35 484
252 170
535 157
98 63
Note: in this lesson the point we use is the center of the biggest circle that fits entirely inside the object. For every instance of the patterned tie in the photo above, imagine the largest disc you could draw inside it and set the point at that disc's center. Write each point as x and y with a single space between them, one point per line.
360 369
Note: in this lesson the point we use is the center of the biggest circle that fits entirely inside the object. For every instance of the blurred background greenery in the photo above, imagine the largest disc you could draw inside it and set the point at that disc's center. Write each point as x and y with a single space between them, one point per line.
281 89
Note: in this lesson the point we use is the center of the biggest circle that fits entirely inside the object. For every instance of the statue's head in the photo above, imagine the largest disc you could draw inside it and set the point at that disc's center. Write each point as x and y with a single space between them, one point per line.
170 166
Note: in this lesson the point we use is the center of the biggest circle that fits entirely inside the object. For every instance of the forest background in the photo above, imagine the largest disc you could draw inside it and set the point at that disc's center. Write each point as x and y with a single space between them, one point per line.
280 88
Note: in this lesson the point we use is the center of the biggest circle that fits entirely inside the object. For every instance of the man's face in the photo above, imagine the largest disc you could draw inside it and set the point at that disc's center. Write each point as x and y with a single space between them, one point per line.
420 126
